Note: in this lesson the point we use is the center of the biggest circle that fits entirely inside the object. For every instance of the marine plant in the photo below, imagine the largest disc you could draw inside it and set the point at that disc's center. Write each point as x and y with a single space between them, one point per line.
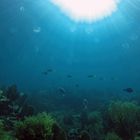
39 127
95 125
58 133
84 119
68 119
3 134
124 118
137 138
112 136
84 135
12 93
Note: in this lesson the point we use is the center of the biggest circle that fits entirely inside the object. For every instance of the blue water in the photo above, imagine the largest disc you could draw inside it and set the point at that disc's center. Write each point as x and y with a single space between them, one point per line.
36 36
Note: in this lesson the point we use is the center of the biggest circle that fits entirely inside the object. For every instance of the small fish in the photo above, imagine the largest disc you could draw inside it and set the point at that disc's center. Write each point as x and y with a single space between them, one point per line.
76 85
129 90
69 76
90 76
50 70
62 90
37 29
45 73
113 78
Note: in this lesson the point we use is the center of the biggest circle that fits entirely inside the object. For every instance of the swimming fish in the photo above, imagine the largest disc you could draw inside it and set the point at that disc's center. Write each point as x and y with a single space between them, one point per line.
45 73
50 70
129 90
90 76
76 85
37 29
113 78
69 76
62 90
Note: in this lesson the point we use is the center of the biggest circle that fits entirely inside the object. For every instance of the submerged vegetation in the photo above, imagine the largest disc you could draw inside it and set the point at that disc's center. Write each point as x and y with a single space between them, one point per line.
124 117
112 136
3 134
35 127
119 120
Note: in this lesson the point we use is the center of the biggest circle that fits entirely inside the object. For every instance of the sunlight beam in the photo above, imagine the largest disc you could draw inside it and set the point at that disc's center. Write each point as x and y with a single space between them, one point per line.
87 10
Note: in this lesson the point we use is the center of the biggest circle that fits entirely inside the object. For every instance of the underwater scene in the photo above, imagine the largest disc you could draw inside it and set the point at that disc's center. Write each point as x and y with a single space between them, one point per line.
70 70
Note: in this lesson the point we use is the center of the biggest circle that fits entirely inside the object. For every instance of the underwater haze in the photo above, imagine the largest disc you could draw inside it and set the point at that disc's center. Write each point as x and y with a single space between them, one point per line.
68 74
36 36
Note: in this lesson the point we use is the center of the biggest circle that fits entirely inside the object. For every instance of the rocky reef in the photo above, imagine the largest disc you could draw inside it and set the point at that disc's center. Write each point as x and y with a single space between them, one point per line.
13 106
119 120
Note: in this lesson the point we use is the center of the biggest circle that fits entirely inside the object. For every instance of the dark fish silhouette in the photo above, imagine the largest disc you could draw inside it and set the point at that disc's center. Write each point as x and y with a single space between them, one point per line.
61 90
50 70
76 85
113 78
45 73
69 76
90 76
129 90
